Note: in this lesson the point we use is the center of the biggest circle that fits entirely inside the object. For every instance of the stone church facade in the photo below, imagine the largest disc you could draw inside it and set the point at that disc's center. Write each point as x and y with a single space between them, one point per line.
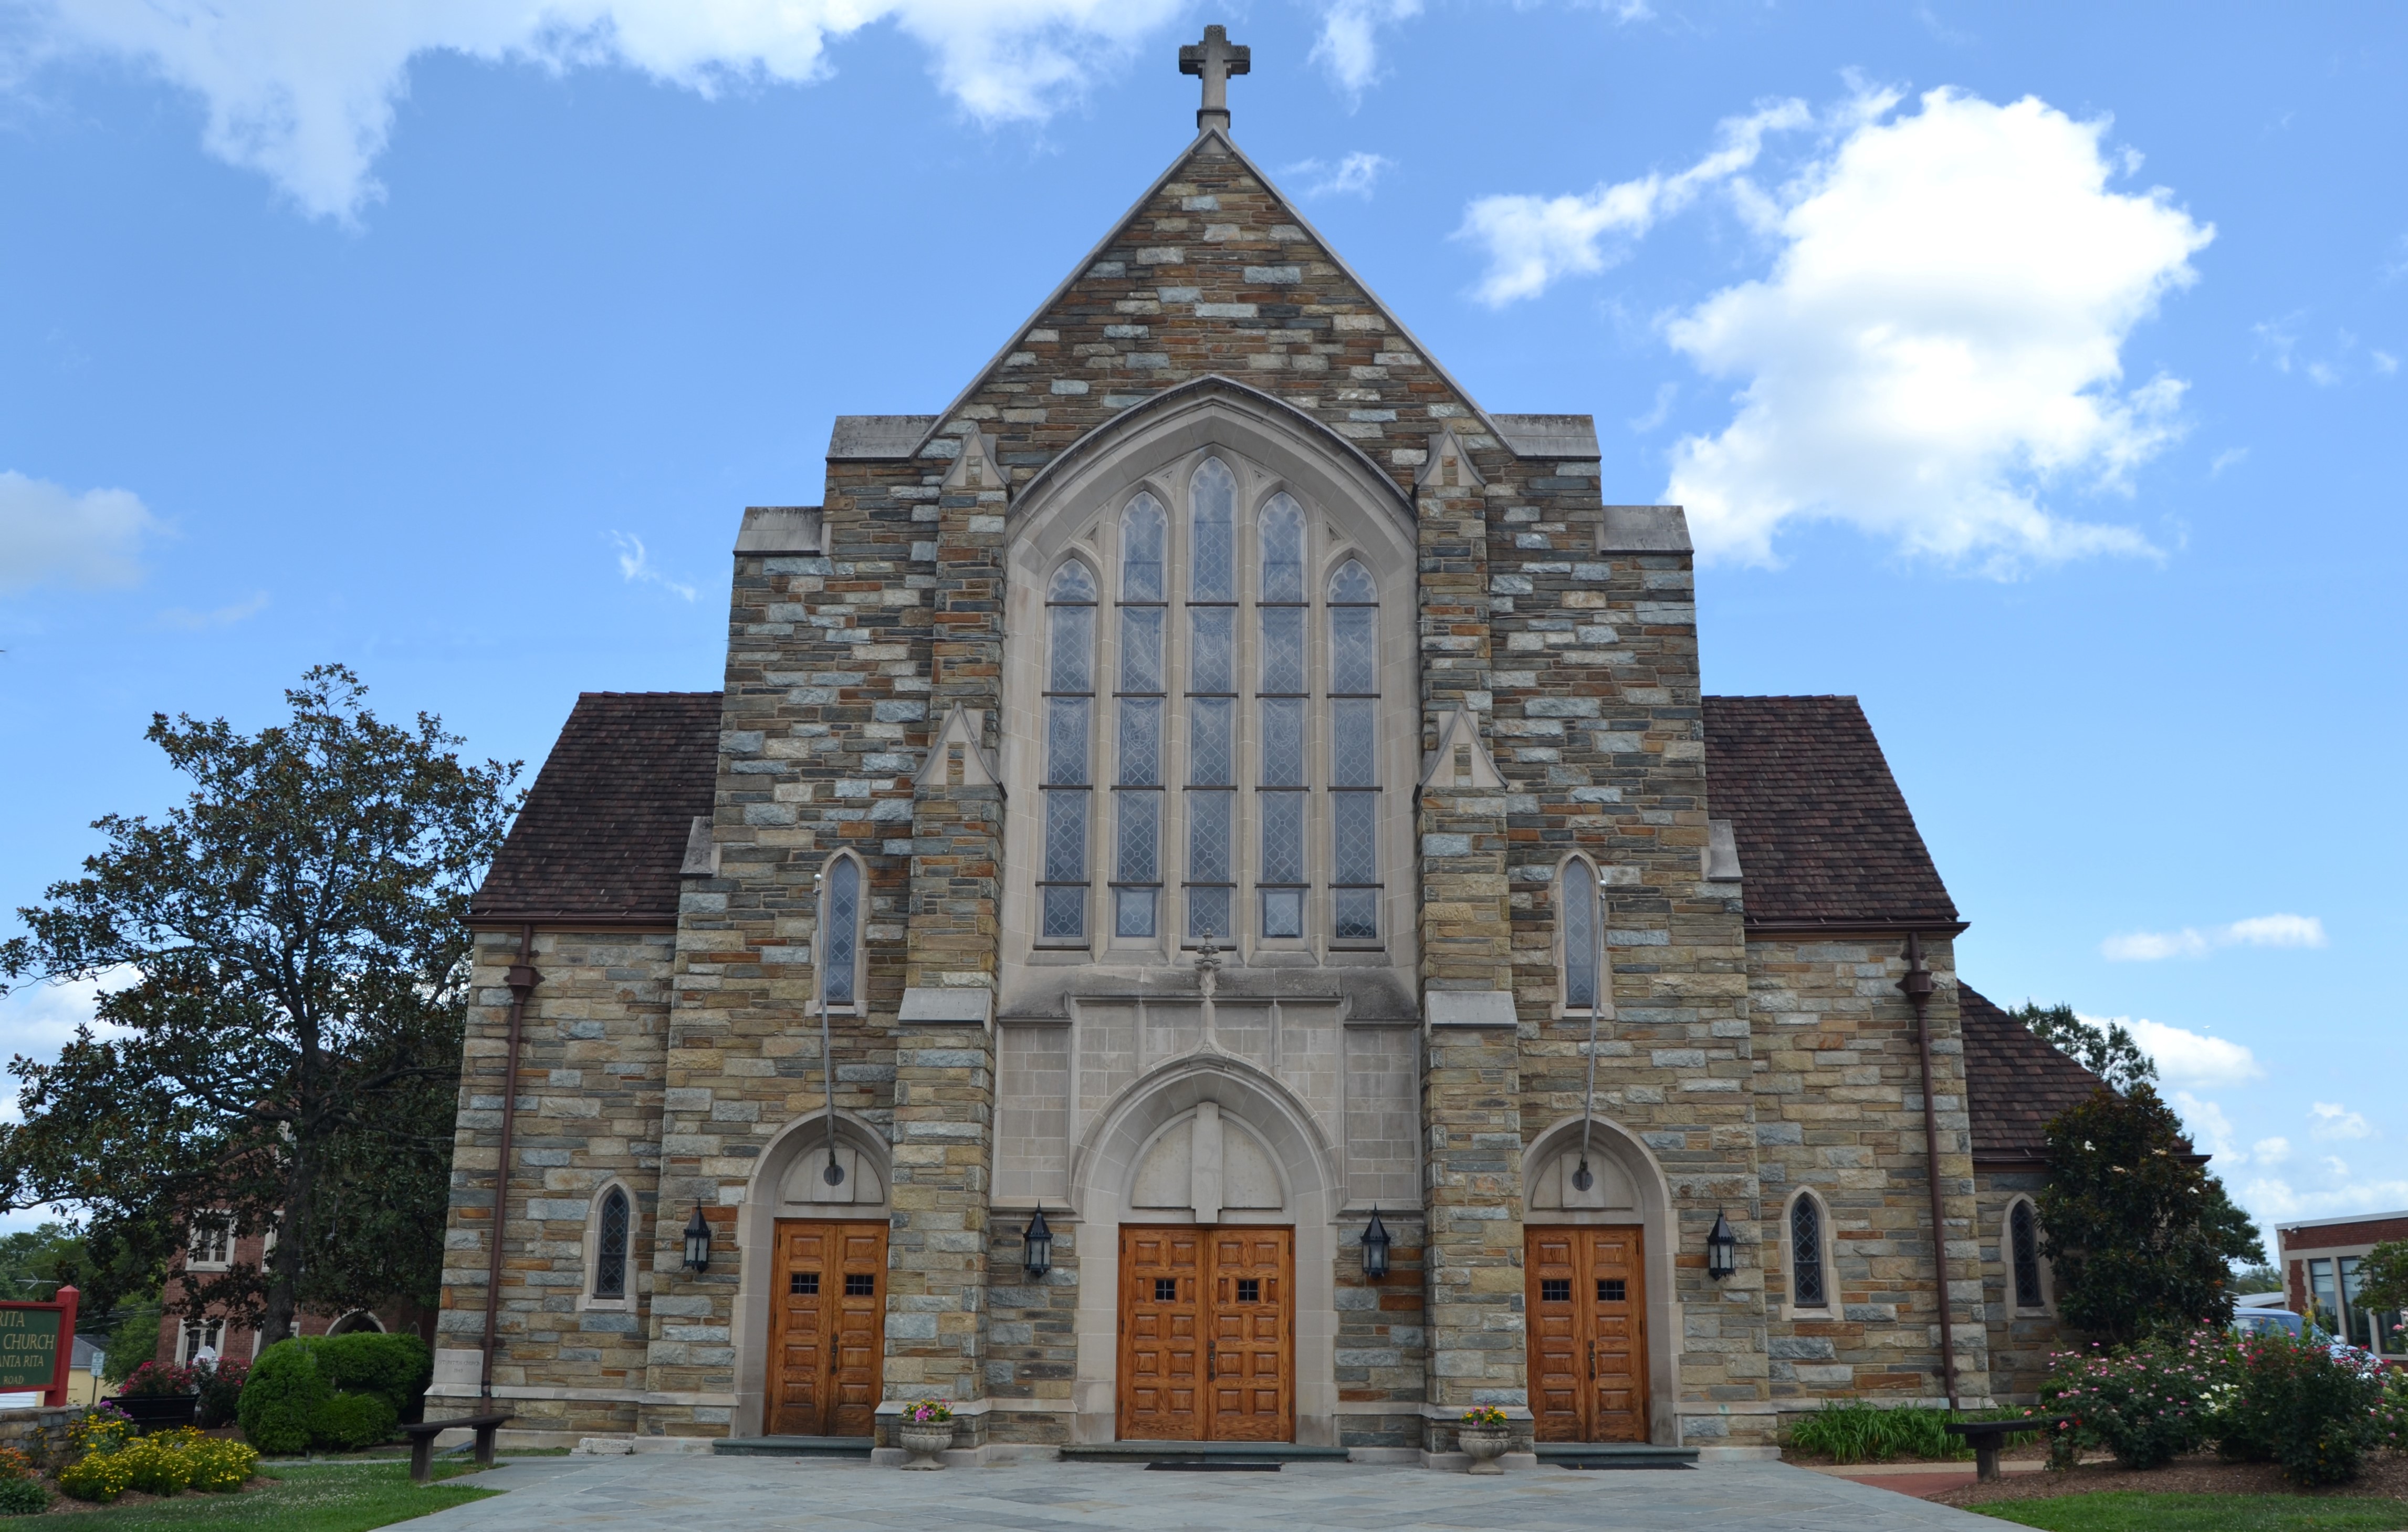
1179 793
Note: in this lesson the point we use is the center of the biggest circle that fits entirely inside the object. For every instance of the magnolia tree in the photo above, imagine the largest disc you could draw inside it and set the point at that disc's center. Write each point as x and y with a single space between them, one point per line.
283 966
2141 1236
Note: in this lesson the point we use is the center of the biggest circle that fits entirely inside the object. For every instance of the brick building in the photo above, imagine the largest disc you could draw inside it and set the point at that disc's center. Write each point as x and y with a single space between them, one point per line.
1189 782
2319 1260
214 1251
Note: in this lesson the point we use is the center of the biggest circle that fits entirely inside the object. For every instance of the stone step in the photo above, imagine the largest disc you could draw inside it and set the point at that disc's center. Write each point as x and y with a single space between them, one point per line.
857 1447
1614 1454
1201 1451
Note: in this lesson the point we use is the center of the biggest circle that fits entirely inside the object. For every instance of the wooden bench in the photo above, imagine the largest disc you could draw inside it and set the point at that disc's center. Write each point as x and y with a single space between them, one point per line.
421 1441
1988 1435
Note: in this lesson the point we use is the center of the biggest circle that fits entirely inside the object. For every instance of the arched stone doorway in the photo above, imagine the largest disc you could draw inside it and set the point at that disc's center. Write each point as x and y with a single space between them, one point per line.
1204 1184
801 1240
1600 1263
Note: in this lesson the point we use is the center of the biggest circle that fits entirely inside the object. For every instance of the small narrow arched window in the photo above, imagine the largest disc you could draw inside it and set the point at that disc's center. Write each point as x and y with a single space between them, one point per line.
2023 1237
1577 920
610 1246
841 948
1809 1284
1069 712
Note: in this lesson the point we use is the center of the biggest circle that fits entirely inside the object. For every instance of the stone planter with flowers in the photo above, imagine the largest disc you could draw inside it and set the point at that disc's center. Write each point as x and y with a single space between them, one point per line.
1485 1435
926 1430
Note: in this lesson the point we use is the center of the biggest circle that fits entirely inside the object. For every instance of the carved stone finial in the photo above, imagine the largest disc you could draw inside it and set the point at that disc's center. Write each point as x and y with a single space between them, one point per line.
1216 58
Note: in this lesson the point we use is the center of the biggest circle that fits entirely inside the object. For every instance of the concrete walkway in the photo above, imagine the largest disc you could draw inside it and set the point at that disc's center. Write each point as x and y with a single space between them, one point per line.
684 1493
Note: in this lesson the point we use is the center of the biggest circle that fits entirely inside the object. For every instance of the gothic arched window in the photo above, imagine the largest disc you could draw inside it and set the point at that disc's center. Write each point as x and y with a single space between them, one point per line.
1069 708
1211 758
1808 1288
840 941
2023 1236
610 1247
1576 924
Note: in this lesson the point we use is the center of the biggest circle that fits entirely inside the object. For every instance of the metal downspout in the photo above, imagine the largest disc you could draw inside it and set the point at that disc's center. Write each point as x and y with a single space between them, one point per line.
1918 985
521 980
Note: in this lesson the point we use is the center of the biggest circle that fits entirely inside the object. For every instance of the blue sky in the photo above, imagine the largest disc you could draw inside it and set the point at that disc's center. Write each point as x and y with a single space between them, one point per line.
2031 372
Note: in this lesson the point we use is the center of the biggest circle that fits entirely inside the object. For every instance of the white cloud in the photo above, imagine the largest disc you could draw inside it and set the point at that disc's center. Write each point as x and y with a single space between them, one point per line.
2332 1121
637 568
219 617
1349 47
36 1020
2191 941
1658 412
2272 1150
2275 1200
2210 1129
1352 176
1940 341
304 90
49 532
2384 363
2231 457
2189 1058
1533 242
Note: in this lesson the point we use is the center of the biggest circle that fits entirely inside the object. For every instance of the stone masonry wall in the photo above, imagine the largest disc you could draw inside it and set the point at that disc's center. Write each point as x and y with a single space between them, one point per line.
2020 1343
590 1079
1840 1108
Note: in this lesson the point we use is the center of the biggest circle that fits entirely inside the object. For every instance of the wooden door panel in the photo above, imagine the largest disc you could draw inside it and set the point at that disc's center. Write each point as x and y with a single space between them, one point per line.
1207 1334
1586 1314
1162 1335
827 1329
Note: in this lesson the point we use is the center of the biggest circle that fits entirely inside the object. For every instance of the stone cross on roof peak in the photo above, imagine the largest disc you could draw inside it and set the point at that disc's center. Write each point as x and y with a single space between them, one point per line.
1216 58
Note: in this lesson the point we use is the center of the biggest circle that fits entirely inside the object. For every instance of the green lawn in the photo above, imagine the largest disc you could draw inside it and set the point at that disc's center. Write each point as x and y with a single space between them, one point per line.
2133 1511
341 1498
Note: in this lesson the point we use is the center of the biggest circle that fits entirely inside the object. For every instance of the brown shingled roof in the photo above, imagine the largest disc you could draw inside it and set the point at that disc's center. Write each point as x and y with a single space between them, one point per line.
2013 1081
1824 836
604 830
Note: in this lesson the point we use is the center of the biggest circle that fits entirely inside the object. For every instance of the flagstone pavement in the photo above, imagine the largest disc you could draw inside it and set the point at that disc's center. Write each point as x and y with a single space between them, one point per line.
684 1494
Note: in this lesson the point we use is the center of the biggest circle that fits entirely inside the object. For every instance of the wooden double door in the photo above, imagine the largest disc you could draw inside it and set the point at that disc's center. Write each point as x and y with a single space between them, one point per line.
1207 1334
827 1329
1587 1311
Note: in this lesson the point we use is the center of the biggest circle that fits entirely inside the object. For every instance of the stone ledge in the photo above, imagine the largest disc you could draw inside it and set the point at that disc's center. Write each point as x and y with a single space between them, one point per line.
929 1007
1469 1008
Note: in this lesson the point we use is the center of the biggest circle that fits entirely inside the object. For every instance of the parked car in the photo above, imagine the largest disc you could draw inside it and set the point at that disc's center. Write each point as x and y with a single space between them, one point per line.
2266 1322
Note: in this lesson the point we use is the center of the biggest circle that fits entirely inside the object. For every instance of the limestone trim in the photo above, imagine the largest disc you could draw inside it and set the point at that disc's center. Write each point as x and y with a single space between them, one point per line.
1825 1246
2012 1298
589 1263
1103 1172
757 1217
1627 1153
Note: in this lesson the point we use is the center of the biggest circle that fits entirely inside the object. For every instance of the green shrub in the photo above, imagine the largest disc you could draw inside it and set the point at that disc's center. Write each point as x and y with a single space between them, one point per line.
2148 1403
282 1397
398 1367
2311 1407
22 1498
349 1422
1854 1431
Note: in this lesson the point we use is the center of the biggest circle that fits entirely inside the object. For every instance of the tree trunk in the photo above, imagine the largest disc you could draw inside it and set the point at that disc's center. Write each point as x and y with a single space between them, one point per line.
291 1247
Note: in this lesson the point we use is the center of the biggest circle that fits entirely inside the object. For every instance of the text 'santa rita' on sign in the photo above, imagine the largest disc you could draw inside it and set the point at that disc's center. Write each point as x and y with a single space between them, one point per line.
29 1347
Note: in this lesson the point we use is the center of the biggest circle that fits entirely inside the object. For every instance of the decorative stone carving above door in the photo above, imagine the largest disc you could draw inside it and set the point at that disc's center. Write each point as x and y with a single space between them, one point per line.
1207 1163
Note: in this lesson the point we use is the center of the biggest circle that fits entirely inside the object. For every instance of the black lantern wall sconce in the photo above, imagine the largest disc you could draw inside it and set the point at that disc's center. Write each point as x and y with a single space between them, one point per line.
1038 1247
697 1241
1722 1249
1375 1248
